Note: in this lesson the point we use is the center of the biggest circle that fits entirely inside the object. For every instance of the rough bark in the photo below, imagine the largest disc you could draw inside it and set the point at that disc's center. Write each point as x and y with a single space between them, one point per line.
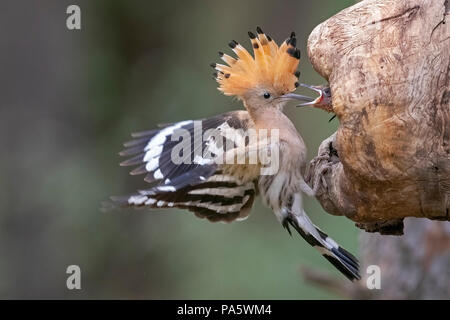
388 65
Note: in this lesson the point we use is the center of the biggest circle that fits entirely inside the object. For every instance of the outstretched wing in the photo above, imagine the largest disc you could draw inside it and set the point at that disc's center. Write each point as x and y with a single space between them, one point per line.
179 161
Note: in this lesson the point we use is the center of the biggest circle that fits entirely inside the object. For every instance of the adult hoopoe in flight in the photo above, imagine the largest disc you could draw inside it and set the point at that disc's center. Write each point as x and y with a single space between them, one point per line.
203 175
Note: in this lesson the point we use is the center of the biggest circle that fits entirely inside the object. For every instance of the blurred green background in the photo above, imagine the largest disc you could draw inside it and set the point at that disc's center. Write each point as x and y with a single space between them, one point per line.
68 99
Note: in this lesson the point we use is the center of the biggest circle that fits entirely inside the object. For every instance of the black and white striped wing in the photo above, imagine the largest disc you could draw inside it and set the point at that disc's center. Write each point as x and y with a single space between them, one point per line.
197 183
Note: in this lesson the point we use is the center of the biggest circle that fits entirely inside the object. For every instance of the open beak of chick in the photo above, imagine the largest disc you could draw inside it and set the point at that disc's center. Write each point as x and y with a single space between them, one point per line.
323 101
318 100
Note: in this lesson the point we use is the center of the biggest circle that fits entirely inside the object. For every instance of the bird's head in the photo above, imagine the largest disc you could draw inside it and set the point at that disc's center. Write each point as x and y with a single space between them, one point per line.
266 79
323 101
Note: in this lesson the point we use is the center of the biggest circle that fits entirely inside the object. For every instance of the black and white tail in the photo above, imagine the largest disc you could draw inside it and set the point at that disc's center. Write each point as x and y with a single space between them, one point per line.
340 258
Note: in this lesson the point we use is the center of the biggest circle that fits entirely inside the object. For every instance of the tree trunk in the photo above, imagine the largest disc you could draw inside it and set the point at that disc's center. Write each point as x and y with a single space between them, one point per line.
388 65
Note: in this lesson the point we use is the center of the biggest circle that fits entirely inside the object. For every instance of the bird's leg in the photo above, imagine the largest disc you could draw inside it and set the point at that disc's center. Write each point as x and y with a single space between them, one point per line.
305 188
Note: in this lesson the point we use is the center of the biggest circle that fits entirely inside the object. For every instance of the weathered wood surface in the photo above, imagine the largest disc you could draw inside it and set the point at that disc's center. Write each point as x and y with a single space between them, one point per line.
388 65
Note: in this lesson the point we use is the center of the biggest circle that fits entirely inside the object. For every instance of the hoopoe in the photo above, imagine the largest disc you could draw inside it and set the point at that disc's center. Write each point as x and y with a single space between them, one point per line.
225 191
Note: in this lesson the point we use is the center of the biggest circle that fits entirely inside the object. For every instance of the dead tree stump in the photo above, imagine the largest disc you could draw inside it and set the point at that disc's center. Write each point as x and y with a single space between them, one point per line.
387 62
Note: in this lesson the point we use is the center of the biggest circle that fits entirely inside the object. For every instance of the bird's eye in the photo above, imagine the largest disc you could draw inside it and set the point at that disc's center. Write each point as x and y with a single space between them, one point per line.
266 95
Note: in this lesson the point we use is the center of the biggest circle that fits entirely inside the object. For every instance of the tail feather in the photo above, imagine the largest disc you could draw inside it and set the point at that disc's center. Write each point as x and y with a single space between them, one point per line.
349 272
338 250
340 258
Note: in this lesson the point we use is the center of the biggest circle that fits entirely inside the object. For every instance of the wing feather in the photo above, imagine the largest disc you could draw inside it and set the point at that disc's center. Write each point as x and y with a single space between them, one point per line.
198 184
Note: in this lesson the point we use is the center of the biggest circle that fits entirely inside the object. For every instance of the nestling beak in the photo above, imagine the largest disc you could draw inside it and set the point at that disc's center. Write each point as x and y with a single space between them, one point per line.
313 102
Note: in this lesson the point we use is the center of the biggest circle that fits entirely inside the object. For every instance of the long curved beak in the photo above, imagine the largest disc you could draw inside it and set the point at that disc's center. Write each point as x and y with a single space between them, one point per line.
299 97
312 101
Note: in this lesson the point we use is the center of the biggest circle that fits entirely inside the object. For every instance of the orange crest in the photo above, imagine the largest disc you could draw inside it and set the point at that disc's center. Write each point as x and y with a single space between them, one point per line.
272 67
